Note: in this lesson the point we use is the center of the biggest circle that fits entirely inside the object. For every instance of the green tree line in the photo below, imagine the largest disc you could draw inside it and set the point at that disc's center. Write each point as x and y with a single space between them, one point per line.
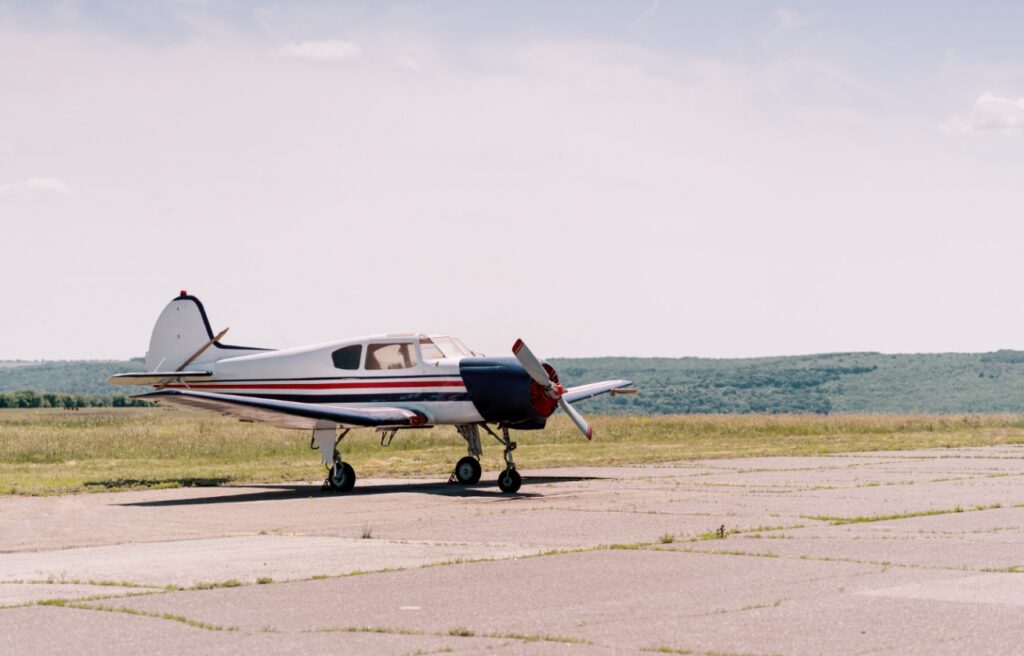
32 399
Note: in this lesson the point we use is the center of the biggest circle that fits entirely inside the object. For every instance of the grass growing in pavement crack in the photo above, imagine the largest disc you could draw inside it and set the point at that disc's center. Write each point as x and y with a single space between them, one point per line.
367 629
862 519
664 649
62 603
58 601
210 585
53 580
530 637
456 632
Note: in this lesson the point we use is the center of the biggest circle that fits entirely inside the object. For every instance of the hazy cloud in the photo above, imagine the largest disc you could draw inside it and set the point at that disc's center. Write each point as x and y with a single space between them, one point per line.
34 186
993 113
990 114
330 50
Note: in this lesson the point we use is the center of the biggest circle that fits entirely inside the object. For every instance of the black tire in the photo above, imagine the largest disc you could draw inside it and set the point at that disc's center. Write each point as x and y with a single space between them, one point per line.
509 481
467 471
341 480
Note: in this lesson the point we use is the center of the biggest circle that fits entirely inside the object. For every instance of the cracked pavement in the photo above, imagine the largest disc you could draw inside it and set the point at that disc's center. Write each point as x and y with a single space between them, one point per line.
912 552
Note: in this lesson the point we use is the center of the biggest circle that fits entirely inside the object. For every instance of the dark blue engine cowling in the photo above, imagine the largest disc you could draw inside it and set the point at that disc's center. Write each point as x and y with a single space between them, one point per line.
500 390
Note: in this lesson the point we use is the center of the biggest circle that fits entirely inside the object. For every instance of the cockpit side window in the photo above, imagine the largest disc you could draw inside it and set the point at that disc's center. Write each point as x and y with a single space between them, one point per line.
348 357
390 356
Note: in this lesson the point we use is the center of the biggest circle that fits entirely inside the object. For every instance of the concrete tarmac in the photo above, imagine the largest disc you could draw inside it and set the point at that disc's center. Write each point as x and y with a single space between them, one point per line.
914 552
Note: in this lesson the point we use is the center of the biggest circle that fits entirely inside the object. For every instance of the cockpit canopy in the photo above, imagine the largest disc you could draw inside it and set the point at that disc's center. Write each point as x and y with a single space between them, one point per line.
395 352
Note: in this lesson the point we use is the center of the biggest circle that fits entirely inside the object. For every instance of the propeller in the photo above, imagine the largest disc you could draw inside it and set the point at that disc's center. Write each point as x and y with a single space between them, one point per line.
555 391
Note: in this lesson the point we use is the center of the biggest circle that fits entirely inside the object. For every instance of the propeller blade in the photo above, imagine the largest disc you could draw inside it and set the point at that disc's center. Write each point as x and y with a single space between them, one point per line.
577 418
540 375
531 364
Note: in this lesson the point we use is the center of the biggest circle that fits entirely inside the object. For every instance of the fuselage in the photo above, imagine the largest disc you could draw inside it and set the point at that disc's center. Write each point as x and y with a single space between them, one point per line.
424 373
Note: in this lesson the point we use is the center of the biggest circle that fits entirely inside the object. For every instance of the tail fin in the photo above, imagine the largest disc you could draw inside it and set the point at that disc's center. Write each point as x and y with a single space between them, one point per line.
183 329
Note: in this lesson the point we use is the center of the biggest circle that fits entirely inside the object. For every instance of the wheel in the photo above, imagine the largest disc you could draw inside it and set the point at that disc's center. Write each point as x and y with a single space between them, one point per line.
468 471
341 479
509 481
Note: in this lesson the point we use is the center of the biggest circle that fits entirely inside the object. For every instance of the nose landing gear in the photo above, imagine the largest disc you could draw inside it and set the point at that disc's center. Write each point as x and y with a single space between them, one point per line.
509 480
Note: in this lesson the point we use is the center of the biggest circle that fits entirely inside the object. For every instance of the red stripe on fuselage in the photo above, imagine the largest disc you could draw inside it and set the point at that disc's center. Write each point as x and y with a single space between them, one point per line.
323 386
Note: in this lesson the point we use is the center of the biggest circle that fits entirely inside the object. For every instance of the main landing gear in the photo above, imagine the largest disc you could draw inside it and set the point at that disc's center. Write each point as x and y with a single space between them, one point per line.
340 475
467 471
342 478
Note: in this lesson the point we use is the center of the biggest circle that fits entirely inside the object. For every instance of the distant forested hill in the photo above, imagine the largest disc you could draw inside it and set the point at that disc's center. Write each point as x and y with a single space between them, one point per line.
829 383
66 377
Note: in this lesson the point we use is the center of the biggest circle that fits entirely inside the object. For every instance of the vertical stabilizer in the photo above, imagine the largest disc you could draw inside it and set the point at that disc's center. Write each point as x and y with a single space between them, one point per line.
183 329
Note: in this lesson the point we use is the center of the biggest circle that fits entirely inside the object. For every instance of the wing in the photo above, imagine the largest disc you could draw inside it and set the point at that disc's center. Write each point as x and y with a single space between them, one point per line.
581 392
288 414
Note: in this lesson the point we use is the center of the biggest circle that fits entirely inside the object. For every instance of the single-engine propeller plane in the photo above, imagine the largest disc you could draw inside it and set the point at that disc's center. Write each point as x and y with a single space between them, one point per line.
386 382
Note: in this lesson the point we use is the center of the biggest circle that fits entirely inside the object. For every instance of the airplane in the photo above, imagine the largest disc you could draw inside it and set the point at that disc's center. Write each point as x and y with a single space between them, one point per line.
387 382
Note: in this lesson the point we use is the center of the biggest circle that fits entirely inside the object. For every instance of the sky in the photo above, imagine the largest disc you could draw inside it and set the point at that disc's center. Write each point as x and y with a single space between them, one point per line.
724 179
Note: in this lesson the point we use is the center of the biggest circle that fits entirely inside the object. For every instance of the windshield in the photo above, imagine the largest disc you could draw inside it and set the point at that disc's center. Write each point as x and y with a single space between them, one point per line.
449 346
439 347
429 350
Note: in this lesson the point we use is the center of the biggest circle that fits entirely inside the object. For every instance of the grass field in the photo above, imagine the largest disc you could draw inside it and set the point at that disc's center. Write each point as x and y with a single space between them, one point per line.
59 451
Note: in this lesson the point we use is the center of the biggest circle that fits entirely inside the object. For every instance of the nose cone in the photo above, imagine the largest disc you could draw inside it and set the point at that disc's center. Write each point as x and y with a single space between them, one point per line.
504 393
543 404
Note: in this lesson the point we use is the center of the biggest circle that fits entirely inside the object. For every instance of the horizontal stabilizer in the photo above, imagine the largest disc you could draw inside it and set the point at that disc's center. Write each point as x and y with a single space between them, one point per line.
288 414
581 392
157 377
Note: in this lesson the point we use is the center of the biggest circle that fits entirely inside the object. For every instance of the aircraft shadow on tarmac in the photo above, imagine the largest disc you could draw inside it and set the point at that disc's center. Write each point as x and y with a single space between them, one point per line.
282 492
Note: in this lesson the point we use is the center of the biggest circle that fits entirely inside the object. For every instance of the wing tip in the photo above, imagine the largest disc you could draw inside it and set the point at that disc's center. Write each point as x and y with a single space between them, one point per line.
518 346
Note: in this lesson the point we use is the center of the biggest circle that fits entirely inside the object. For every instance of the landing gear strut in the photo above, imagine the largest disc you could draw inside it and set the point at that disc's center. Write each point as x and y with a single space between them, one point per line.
509 480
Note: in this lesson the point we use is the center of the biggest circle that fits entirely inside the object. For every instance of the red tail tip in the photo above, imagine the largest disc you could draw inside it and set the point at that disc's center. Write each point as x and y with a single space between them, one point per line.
183 293
517 346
